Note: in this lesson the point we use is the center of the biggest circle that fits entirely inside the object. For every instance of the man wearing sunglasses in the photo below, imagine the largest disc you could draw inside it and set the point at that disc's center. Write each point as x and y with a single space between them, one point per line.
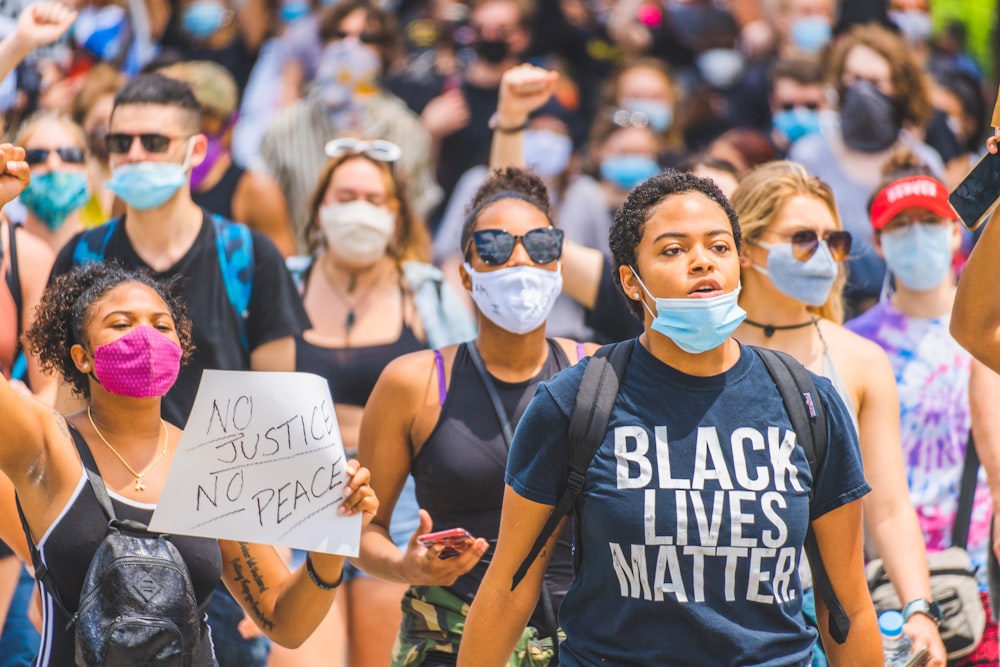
796 99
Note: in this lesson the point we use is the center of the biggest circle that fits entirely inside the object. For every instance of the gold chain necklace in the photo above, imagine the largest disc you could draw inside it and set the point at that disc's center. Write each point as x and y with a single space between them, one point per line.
139 484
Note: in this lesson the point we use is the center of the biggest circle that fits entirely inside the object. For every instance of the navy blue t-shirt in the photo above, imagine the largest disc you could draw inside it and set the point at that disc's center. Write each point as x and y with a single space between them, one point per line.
693 514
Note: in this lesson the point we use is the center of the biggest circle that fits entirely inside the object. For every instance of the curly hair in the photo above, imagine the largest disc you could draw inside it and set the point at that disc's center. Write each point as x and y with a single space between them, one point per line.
66 307
505 183
627 227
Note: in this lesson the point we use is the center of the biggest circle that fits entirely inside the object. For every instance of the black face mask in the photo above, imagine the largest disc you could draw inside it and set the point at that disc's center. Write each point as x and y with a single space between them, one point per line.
869 119
492 51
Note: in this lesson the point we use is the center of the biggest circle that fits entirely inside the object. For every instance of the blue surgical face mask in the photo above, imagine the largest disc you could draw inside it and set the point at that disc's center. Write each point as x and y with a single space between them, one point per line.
547 152
695 325
202 18
628 171
146 185
796 123
918 255
659 114
811 33
52 196
915 25
293 10
809 281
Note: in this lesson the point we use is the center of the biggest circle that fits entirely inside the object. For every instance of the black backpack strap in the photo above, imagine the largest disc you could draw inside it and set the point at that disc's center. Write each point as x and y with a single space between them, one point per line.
805 411
491 389
15 277
967 493
588 425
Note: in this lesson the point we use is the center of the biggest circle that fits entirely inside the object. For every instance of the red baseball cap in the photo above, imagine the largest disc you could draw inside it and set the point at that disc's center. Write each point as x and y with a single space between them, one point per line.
921 191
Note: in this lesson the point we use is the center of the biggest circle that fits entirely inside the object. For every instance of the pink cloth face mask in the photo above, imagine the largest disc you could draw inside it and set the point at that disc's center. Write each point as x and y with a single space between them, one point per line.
142 363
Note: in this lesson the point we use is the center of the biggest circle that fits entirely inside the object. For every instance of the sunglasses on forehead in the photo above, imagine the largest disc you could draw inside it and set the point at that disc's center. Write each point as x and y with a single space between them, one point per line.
68 154
495 246
379 149
805 243
152 142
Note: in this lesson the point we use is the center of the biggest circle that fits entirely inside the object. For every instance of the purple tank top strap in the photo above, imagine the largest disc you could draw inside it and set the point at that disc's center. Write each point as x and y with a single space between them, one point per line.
580 351
442 385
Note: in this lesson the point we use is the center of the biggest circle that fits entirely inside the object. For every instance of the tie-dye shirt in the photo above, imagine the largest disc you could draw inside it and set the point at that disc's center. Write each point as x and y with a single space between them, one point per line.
932 373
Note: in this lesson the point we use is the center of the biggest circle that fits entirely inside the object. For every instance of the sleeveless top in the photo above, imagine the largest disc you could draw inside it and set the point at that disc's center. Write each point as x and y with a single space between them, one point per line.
459 471
219 197
10 316
70 543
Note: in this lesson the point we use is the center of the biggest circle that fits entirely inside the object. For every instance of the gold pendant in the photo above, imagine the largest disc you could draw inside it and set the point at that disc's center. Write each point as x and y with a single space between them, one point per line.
139 486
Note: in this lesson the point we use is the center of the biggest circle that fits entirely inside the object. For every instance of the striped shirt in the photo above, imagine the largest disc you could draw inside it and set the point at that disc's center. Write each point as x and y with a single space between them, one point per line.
292 152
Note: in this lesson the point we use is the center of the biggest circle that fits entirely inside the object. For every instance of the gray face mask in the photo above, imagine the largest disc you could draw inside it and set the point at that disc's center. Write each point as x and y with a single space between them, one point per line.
869 120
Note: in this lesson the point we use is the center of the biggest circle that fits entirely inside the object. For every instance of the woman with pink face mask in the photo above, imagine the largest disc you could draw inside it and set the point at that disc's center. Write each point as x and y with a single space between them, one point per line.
118 337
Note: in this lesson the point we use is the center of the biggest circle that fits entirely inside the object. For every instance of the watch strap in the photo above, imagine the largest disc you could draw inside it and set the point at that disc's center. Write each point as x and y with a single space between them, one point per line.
928 608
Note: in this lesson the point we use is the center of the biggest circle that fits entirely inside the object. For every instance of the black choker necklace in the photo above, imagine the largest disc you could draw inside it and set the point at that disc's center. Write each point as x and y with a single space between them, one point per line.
769 329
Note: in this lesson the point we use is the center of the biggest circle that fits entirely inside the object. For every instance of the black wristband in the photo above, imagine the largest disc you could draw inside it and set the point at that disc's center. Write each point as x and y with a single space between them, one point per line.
315 577
494 124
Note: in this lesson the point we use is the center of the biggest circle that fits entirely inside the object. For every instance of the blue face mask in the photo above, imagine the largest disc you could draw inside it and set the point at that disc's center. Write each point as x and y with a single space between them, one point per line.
547 152
919 255
202 18
51 197
796 123
696 325
811 33
293 11
628 171
810 281
146 185
659 114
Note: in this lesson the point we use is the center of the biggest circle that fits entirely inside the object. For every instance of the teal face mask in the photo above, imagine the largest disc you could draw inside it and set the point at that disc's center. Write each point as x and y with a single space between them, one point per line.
696 325
52 196
919 255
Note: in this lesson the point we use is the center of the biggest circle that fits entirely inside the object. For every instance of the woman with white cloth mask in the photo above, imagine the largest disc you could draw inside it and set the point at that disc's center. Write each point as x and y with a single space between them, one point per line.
446 416
792 277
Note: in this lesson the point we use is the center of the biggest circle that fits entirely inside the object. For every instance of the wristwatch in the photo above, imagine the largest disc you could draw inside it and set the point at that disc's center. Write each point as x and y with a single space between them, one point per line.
929 608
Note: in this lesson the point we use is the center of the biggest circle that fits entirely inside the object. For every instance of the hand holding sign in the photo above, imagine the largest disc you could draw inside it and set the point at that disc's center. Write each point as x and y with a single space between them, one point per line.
261 460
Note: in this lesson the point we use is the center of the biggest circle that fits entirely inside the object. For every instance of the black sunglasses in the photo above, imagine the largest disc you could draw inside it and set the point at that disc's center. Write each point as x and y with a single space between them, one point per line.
806 241
365 37
812 106
495 246
68 154
118 142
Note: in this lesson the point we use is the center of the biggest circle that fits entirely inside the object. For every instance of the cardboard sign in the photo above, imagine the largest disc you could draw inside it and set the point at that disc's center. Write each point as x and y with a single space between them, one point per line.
261 460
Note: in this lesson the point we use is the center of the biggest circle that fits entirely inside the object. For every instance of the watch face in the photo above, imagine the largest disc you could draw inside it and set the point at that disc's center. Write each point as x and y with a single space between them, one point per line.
919 606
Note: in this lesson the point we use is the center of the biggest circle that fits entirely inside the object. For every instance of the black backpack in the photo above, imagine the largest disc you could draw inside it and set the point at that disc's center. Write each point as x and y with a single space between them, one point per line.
589 423
137 605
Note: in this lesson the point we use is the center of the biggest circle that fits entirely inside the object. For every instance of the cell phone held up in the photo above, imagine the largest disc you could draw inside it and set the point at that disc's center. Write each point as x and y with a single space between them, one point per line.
455 541
975 197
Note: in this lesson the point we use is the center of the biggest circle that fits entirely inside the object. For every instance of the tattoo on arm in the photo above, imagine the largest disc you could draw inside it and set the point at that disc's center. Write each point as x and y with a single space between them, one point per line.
245 571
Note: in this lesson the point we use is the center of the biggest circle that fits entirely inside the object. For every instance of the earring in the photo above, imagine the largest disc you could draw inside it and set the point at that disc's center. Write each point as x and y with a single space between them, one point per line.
635 296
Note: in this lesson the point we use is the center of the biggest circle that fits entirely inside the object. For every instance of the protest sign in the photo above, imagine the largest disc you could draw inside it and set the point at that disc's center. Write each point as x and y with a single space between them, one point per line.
261 460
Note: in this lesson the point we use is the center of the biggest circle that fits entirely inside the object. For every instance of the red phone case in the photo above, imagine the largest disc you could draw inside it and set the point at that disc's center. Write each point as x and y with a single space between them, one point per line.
455 541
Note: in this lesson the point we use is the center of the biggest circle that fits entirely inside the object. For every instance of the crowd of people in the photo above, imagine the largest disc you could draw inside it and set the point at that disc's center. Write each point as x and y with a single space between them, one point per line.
445 209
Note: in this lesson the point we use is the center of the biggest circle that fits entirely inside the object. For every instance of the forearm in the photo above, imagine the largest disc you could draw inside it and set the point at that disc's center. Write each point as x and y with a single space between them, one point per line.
496 621
582 268
975 318
900 544
984 390
863 645
507 149
380 557
13 50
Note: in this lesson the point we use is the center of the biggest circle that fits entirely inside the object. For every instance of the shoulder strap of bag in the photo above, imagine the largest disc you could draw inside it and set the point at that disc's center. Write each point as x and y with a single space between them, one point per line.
967 494
588 425
234 244
15 275
805 411
491 389
92 244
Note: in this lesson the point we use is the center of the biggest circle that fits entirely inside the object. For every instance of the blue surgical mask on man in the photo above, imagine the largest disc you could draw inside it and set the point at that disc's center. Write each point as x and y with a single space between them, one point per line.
658 113
547 152
147 185
53 196
810 281
810 34
796 123
202 18
918 255
695 325
628 171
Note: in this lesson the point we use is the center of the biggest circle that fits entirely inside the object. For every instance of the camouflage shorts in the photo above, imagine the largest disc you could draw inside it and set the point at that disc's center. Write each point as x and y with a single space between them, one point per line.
433 621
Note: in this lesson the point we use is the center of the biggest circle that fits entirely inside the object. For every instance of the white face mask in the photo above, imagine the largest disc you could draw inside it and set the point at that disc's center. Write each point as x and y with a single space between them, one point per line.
517 299
357 231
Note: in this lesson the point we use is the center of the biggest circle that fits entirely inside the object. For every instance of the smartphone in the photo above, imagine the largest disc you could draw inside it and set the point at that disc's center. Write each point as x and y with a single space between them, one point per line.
455 541
974 198
919 658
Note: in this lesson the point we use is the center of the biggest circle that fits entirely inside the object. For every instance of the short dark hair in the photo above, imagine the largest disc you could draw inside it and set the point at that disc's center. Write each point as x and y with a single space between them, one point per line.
804 70
505 183
627 227
163 91
62 315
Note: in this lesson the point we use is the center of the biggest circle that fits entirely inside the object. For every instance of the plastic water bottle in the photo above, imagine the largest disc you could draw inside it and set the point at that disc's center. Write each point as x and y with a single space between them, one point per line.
895 645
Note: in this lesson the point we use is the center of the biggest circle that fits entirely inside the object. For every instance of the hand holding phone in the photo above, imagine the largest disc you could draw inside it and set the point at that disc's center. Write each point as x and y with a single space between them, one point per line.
920 658
977 194
455 541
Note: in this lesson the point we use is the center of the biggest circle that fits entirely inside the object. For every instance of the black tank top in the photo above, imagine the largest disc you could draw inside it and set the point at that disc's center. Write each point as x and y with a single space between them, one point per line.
70 544
352 371
219 197
459 471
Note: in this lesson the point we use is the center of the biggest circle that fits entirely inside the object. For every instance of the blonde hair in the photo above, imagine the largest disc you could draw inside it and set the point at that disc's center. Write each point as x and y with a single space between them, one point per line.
759 200
28 127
